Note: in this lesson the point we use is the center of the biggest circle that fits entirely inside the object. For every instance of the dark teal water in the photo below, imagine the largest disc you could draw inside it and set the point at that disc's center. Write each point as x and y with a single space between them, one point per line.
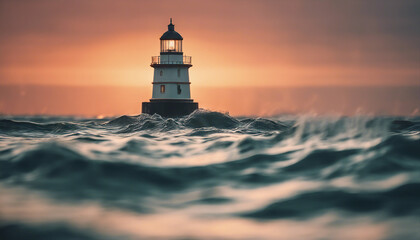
210 176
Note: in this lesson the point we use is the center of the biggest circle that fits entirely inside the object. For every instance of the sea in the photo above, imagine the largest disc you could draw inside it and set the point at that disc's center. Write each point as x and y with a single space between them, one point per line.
209 175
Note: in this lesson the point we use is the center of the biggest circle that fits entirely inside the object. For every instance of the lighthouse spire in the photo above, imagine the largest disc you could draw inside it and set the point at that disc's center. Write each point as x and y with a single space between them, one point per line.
171 27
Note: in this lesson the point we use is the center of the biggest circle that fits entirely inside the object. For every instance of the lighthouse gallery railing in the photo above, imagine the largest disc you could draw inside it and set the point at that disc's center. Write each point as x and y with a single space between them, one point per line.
185 60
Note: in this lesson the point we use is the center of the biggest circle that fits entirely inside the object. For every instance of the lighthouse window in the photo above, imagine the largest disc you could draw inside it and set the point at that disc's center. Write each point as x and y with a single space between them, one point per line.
171 45
162 88
179 89
179 72
161 73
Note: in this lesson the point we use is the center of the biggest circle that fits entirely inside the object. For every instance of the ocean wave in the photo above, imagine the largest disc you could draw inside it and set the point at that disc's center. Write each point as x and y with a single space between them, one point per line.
151 165
320 159
11 126
396 202
18 230
202 118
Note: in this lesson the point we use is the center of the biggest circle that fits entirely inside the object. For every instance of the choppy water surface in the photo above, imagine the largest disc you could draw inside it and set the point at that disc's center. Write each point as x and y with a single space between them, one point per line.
210 176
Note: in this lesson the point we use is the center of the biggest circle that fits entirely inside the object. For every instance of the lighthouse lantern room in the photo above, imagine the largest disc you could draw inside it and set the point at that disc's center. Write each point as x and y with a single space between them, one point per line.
171 95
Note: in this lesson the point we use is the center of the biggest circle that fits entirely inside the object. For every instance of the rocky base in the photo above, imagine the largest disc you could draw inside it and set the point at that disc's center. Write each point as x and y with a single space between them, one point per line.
169 108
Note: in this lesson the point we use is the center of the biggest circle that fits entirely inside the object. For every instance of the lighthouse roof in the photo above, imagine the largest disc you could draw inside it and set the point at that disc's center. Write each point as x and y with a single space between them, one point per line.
171 34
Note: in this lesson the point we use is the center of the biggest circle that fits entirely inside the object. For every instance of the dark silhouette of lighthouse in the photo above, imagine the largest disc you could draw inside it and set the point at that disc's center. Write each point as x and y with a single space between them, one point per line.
171 84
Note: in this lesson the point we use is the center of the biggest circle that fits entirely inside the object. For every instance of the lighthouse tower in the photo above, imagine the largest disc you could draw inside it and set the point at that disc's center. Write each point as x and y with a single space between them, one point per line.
171 84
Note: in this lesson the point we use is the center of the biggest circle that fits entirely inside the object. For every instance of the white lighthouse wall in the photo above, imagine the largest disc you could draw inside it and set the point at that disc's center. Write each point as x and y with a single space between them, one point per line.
171 91
170 74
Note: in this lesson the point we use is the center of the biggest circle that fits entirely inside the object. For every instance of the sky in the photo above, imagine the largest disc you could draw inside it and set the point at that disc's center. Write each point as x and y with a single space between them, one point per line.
233 43
112 101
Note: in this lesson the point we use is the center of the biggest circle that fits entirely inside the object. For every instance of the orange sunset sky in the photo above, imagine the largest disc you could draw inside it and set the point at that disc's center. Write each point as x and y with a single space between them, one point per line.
232 43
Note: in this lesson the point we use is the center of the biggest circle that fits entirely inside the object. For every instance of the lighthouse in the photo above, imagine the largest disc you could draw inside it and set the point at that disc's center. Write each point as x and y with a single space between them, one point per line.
171 95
